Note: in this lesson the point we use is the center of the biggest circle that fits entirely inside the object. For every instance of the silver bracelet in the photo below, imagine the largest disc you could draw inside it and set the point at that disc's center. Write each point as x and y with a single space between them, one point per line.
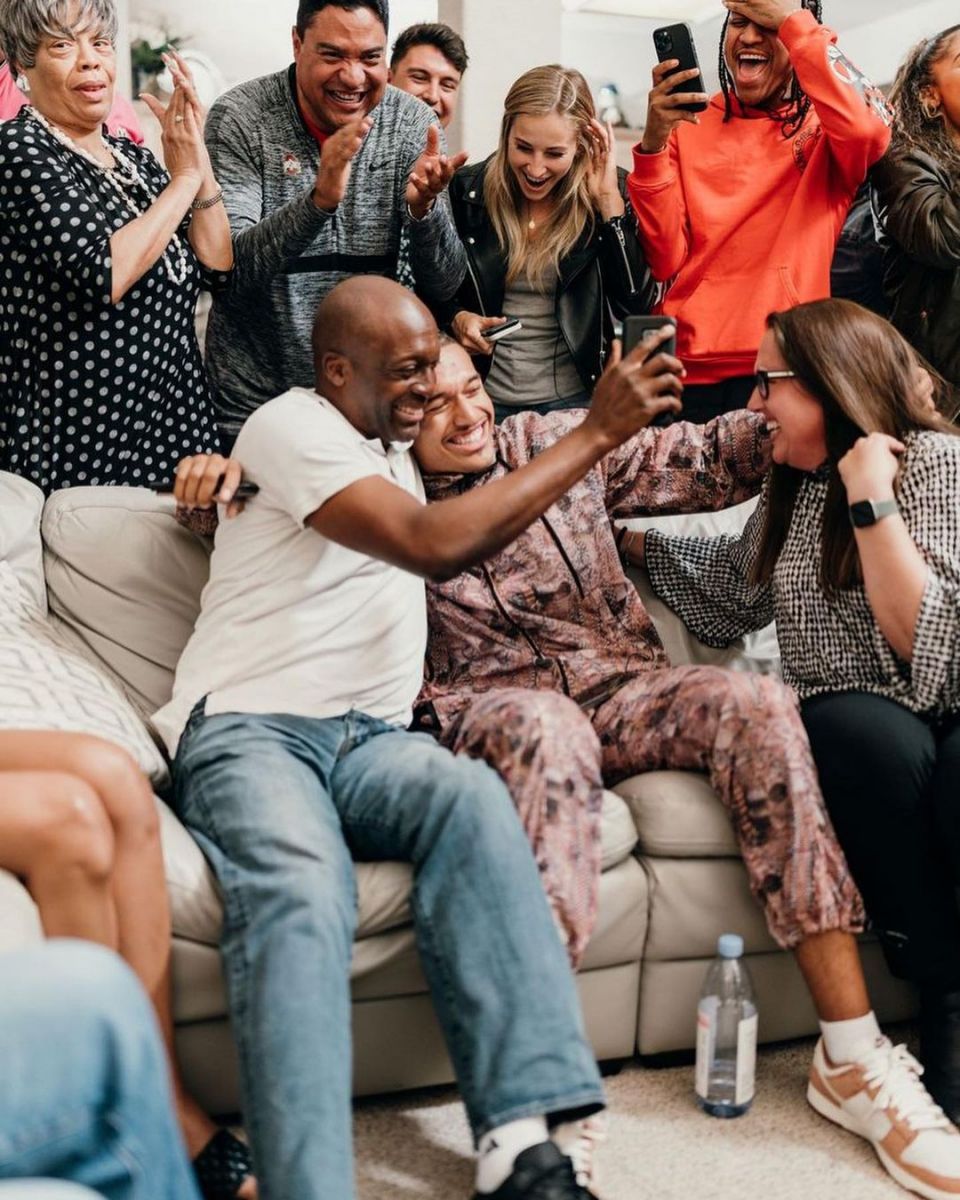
197 205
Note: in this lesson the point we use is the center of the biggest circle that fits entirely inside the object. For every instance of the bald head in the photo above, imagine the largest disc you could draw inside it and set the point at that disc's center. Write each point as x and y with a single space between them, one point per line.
362 316
375 349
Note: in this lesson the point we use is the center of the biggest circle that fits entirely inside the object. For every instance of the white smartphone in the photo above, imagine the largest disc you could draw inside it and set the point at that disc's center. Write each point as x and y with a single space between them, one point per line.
496 332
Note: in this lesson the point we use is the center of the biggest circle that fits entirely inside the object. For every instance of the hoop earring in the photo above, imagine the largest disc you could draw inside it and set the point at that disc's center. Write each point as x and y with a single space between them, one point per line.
931 112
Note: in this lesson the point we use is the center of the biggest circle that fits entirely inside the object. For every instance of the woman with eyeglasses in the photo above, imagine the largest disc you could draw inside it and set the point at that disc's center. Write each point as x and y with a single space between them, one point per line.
740 206
918 189
854 549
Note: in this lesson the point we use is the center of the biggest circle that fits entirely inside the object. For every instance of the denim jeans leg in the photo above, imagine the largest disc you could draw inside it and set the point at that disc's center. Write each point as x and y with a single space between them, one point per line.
498 973
252 790
84 1095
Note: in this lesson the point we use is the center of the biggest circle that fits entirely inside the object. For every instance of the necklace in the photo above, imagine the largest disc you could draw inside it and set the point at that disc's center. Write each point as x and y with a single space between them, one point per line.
125 179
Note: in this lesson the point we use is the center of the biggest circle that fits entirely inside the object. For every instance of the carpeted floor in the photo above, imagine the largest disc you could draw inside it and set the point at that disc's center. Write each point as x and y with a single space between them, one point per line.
661 1146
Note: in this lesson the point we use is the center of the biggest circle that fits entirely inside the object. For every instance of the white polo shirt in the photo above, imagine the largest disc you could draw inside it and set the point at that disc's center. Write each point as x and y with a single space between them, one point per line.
291 622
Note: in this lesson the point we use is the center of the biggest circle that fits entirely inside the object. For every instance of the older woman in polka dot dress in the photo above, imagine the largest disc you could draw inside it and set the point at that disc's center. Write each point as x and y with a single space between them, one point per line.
102 254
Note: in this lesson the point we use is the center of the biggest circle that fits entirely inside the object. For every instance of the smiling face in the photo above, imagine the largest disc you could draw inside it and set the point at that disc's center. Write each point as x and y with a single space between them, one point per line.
427 74
540 152
71 82
758 63
341 65
456 436
794 418
945 90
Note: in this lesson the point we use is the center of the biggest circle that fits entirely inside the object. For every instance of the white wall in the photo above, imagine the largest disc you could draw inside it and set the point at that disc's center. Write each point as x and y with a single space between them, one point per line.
880 46
504 38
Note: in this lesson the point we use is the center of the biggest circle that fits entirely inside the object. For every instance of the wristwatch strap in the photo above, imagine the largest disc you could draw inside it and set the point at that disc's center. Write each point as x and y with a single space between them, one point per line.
868 512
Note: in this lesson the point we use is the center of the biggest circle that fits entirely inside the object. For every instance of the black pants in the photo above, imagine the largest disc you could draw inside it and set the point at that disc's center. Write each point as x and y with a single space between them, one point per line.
891 782
704 401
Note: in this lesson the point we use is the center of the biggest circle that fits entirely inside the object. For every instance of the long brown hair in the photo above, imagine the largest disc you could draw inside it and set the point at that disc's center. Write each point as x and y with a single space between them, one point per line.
915 127
865 377
538 93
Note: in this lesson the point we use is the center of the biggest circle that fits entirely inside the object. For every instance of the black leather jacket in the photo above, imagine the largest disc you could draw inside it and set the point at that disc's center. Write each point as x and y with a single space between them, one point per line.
919 205
606 271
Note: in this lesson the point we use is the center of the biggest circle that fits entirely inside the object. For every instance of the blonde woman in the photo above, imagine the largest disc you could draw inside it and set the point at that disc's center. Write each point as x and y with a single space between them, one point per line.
550 241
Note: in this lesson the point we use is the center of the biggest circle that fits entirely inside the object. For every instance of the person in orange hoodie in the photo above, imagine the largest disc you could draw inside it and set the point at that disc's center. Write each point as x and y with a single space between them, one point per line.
740 206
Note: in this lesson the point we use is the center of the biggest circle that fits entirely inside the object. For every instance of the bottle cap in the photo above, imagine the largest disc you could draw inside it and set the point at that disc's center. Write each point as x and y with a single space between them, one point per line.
730 945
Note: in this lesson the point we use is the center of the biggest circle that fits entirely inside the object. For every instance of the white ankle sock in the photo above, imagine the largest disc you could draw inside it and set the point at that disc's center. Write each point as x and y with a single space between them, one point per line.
499 1148
846 1041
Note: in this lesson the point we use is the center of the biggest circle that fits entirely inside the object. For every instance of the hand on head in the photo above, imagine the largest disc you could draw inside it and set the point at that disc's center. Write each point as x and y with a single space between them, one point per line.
770 14
603 183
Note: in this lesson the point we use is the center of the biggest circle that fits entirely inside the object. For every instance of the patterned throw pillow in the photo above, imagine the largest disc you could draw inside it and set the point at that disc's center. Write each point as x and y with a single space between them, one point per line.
46 684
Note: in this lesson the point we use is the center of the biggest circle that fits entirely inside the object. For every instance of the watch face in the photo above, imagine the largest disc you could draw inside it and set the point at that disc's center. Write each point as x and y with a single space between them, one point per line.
862 513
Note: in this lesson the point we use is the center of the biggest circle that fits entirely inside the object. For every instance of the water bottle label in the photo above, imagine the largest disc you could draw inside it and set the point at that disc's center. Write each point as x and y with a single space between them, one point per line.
706 1038
746 1059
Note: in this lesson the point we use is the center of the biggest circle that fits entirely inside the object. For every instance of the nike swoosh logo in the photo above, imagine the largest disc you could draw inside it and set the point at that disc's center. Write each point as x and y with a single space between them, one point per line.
387 162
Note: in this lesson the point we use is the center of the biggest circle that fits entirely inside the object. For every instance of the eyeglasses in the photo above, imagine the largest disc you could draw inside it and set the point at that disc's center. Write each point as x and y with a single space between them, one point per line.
762 380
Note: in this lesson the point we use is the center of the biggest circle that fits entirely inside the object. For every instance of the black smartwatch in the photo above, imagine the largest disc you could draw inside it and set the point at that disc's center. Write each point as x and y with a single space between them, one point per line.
869 512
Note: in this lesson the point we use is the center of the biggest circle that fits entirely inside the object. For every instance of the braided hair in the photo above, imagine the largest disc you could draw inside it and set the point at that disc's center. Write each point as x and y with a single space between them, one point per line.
793 118
914 128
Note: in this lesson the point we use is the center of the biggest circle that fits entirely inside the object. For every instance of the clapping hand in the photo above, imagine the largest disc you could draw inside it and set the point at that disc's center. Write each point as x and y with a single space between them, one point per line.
602 181
870 466
181 133
431 174
770 14
336 162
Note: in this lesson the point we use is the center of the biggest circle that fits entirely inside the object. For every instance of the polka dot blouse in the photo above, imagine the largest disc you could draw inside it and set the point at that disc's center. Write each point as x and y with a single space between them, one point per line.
90 392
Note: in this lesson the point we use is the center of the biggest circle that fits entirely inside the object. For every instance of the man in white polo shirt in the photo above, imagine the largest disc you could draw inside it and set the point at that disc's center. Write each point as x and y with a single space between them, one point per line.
288 724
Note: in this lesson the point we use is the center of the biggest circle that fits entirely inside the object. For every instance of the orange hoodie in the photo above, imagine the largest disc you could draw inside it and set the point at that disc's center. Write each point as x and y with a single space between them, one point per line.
745 221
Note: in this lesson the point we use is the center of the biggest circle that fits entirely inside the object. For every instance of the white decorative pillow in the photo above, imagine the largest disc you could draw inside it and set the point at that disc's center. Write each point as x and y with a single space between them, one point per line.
46 684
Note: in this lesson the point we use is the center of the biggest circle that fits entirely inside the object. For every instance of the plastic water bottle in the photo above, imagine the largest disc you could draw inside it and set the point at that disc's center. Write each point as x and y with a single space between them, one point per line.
726 1034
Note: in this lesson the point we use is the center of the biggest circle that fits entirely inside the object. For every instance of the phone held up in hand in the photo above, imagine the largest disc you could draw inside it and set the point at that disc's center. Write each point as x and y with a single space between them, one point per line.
676 41
635 327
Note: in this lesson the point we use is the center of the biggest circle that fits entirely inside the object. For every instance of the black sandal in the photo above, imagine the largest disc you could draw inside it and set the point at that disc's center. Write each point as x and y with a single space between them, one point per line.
222 1166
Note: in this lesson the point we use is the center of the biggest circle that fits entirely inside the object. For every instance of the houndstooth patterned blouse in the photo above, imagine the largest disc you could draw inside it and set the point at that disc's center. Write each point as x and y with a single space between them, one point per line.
832 644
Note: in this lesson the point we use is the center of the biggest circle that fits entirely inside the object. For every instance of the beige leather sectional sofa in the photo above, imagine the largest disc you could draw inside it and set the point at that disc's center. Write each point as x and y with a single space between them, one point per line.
125 580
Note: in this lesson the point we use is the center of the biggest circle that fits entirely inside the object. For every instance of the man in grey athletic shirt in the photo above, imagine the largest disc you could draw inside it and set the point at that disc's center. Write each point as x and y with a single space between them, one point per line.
322 166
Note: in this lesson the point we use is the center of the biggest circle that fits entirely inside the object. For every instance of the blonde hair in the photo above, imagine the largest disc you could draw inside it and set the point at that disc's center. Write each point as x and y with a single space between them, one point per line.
538 93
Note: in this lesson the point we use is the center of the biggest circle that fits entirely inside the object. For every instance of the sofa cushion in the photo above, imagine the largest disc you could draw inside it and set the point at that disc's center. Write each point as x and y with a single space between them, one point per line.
678 815
383 888
48 684
126 579
21 504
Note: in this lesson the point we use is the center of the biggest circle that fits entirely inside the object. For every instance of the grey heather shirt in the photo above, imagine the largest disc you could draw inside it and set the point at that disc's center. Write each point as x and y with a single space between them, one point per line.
289 254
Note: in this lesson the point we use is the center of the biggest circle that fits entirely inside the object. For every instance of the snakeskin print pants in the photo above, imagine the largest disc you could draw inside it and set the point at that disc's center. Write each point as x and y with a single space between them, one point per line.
742 730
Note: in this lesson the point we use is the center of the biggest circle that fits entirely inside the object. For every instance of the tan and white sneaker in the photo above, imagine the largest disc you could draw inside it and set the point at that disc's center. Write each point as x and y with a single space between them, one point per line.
578 1140
882 1098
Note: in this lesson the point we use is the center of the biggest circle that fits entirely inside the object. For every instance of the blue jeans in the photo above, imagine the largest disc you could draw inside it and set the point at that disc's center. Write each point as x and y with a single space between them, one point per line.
282 805
84 1093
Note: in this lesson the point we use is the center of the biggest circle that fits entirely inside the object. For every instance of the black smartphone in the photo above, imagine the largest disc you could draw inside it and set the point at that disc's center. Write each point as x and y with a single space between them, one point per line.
635 327
245 489
496 332
676 41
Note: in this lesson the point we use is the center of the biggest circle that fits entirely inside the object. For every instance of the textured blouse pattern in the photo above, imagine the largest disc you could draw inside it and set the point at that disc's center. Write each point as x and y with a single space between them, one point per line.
92 392
832 644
